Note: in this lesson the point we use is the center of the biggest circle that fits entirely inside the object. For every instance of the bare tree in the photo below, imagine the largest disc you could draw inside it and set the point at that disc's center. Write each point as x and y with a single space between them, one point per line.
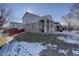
4 14
68 21
72 16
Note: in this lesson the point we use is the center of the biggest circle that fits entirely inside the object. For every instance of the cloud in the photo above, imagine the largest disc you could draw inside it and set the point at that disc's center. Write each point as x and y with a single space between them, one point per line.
30 10
17 20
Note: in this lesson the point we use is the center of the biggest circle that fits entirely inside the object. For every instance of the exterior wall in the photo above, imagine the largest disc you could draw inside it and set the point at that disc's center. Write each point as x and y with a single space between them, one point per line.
40 27
30 18
36 27
32 23
47 26
57 27
50 26
32 27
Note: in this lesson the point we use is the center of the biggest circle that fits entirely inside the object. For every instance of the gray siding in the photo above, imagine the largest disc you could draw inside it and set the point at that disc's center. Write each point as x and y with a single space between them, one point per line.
32 27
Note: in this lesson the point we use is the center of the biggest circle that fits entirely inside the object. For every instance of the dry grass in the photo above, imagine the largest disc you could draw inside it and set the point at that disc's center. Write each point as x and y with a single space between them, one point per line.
44 38
35 37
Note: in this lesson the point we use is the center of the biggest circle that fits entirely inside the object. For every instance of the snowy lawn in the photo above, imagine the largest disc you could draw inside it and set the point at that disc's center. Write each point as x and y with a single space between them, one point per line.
51 38
68 44
40 44
36 37
21 49
73 37
72 40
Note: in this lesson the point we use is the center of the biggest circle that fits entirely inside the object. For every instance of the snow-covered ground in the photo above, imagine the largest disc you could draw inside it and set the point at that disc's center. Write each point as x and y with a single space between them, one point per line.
15 48
21 49
74 52
64 51
72 40
73 37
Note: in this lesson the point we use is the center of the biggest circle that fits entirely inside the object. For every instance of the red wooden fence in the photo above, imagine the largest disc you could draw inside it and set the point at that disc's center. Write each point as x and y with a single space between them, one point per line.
13 31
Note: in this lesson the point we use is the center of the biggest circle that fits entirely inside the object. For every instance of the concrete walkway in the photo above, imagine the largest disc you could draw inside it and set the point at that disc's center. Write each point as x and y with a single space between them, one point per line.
8 39
5 39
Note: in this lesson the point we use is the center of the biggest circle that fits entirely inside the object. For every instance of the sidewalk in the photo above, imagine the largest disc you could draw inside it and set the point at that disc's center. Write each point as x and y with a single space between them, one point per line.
4 38
9 39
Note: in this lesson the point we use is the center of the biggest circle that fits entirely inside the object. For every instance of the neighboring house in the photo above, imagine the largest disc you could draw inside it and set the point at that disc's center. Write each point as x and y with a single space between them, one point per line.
13 25
58 26
16 25
13 28
35 23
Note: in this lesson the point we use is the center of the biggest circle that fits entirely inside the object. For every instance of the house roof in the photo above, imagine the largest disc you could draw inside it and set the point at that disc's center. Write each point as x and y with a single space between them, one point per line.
30 14
47 17
31 18
15 23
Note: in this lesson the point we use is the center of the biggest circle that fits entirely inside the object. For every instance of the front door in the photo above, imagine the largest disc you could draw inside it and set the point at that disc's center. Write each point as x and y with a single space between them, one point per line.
41 25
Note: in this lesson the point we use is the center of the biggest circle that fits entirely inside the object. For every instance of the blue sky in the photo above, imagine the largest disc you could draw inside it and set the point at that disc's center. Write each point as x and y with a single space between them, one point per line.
53 9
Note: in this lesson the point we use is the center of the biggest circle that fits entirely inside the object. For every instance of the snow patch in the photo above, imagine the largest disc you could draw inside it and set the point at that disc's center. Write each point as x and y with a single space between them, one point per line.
55 46
69 40
75 52
63 51
22 49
